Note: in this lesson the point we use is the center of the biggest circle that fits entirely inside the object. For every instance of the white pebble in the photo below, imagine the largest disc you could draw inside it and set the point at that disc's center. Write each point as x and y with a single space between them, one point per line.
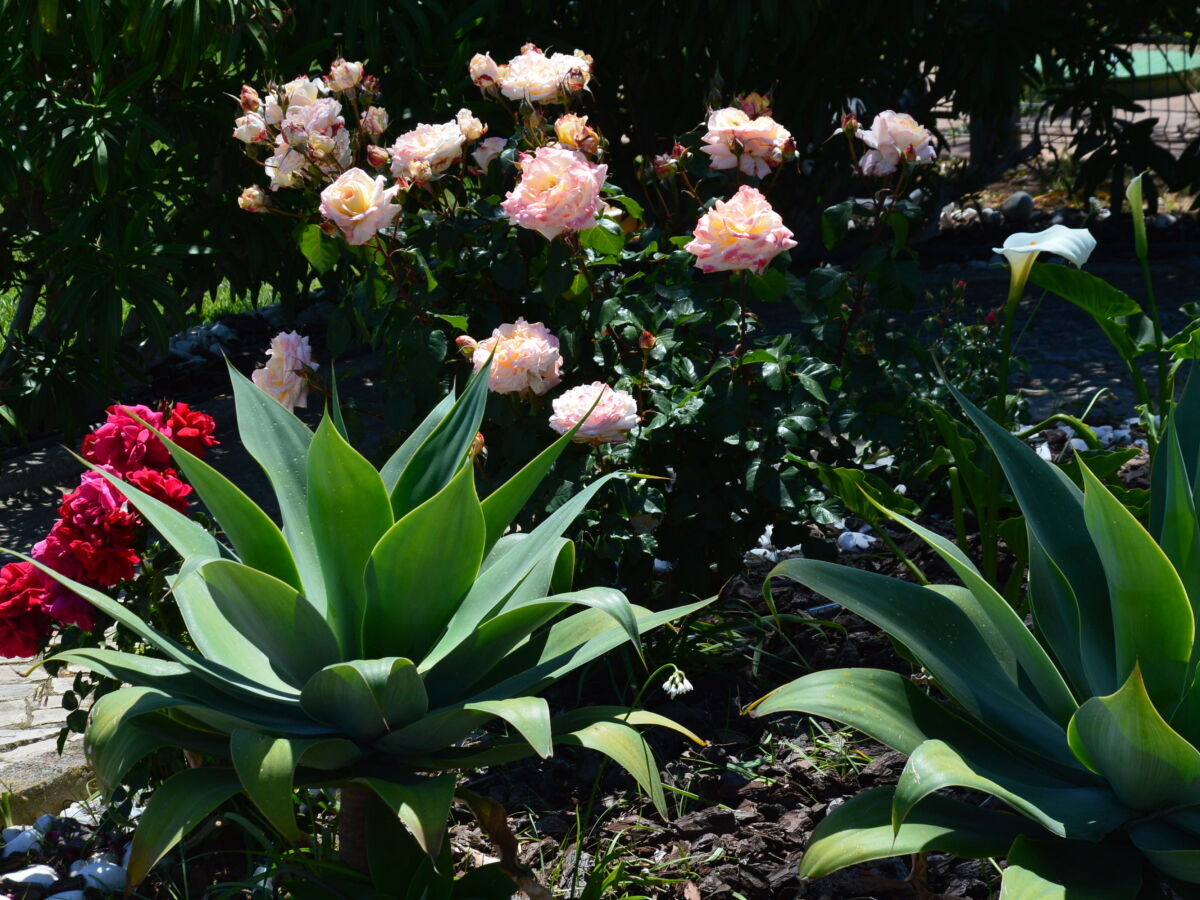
40 875
23 842
855 541
104 876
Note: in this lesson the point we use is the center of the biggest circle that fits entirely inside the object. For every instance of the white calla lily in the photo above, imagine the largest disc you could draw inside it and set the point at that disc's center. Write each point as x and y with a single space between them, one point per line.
1021 249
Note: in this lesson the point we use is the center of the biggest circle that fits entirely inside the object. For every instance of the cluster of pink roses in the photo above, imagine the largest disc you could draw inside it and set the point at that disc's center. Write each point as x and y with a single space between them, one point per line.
532 76
96 538
745 137
526 360
892 139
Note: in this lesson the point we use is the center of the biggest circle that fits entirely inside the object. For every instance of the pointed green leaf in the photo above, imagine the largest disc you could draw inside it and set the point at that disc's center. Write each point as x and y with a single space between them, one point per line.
113 742
401 694
528 715
1157 635
277 619
394 467
421 568
1184 420
626 748
503 505
1070 870
944 640
1092 294
440 455
279 442
423 804
1123 738
177 806
1179 535
349 512
1084 813
1172 844
1053 509
265 765
1137 211
860 830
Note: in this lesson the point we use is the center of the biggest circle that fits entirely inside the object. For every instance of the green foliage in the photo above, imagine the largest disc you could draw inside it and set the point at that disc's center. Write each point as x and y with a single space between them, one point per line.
1085 726
369 644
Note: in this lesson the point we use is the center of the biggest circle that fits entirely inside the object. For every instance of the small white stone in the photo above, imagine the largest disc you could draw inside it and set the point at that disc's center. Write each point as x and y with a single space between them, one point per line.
104 876
40 875
43 823
67 895
1078 444
855 541
1043 450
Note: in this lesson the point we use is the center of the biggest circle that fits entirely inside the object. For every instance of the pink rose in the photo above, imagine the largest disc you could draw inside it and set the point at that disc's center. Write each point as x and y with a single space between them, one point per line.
374 120
488 149
559 191
282 376
526 358
483 70
123 444
285 165
253 199
537 78
321 117
439 146
251 129
343 75
741 233
359 205
894 138
610 422
755 146
574 133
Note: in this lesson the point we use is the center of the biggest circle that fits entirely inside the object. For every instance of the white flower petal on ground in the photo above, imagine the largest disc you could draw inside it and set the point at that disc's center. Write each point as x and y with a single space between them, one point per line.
855 541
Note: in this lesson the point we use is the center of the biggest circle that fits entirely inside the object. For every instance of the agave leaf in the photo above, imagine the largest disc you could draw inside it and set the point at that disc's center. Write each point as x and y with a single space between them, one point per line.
397 688
1082 813
437 459
860 830
1179 535
1070 870
1156 636
459 671
945 641
265 765
498 580
1184 421
1172 844
423 804
1056 613
175 808
894 711
277 619
567 645
439 729
279 442
396 464
257 540
528 715
421 568
575 718
113 742
503 505
625 747
340 695
1001 627
349 512
1123 738
222 677
1053 509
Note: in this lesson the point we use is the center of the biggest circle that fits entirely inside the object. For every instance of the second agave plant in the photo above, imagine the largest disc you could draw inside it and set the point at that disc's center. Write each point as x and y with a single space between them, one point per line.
358 645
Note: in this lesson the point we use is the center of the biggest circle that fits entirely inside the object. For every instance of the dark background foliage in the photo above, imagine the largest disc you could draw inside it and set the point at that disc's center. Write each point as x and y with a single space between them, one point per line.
118 178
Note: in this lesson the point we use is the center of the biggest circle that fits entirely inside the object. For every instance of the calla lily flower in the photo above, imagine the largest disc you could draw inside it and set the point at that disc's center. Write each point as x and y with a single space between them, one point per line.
1073 244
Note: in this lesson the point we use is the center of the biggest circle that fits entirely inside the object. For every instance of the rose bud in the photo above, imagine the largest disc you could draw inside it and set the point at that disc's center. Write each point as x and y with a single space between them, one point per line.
249 99
647 341
374 120
320 145
477 446
664 166
253 199
329 228
378 157
678 151
850 124
530 48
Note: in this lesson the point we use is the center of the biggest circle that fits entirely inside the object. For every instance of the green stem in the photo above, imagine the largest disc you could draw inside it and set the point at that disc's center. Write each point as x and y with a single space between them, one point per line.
904 557
1160 354
956 498
1089 436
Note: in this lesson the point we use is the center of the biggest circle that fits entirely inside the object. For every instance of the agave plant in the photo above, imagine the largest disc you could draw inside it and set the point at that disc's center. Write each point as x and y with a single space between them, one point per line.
1085 727
389 618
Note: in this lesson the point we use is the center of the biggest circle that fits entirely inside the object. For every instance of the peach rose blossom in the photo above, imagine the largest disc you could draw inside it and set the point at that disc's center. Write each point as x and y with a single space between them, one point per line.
894 138
285 165
754 146
574 133
559 191
281 378
343 75
537 78
526 357
302 91
253 199
359 205
321 117
437 145
483 70
470 126
488 149
251 129
614 416
743 232
374 120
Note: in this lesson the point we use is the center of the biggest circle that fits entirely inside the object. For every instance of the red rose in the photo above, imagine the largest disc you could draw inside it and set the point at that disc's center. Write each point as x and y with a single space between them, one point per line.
164 486
68 608
124 444
97 508
24 625
85 558
191 429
